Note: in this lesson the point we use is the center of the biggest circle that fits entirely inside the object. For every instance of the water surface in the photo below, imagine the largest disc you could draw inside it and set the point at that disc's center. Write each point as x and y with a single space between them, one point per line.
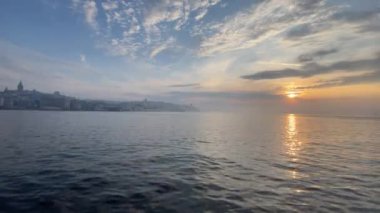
187 162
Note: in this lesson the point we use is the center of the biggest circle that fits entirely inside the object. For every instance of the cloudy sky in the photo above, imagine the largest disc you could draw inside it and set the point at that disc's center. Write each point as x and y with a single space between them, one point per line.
289 55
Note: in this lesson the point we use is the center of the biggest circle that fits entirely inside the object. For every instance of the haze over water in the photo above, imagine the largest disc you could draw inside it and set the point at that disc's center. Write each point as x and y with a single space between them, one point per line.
187 162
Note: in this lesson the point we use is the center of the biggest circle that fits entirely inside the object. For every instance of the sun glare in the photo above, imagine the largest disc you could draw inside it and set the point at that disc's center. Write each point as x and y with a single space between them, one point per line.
291 94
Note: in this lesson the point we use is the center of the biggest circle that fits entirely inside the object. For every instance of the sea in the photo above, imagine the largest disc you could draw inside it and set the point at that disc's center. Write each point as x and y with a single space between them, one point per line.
187 162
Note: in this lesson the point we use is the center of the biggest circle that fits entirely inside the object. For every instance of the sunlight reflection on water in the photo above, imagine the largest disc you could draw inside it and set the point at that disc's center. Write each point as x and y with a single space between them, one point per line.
292 142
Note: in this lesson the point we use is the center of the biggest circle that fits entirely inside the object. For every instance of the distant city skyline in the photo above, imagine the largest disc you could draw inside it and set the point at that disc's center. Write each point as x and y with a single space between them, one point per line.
20 99
317 56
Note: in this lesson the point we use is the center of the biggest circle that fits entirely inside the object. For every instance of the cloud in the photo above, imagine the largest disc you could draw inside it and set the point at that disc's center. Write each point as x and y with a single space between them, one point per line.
274 74
143 28
185 85
320 53
263 21
368 19
294 21
309 4
228 95
163 12
110 5
340 16
313 69
299 31
201 14
371 28
90 12
75 3
370 77
357 16
161 47
82 58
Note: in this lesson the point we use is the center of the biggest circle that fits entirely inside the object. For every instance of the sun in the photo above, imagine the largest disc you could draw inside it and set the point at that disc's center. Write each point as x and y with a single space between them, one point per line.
292 94
291 91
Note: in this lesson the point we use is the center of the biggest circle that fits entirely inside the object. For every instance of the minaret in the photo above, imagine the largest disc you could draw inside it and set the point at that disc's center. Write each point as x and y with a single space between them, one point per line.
20 87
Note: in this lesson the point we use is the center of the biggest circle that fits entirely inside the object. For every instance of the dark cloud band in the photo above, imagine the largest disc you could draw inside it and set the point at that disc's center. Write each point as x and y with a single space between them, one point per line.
363 78
313 69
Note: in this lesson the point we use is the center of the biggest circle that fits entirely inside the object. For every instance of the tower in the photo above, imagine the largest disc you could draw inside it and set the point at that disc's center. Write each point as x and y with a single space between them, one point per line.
20 87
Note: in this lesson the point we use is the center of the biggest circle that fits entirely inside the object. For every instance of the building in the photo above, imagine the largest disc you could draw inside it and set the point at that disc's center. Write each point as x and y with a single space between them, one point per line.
1 102
20 87
32 99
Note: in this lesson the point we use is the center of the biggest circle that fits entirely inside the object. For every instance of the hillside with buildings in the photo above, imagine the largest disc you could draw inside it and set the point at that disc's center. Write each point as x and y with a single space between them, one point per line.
21 99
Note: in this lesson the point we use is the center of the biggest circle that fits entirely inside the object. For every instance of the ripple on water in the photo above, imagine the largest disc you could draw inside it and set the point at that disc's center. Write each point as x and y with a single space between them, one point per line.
131 162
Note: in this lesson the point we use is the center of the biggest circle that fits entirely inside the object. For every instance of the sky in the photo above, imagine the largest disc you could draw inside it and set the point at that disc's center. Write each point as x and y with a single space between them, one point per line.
301 56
